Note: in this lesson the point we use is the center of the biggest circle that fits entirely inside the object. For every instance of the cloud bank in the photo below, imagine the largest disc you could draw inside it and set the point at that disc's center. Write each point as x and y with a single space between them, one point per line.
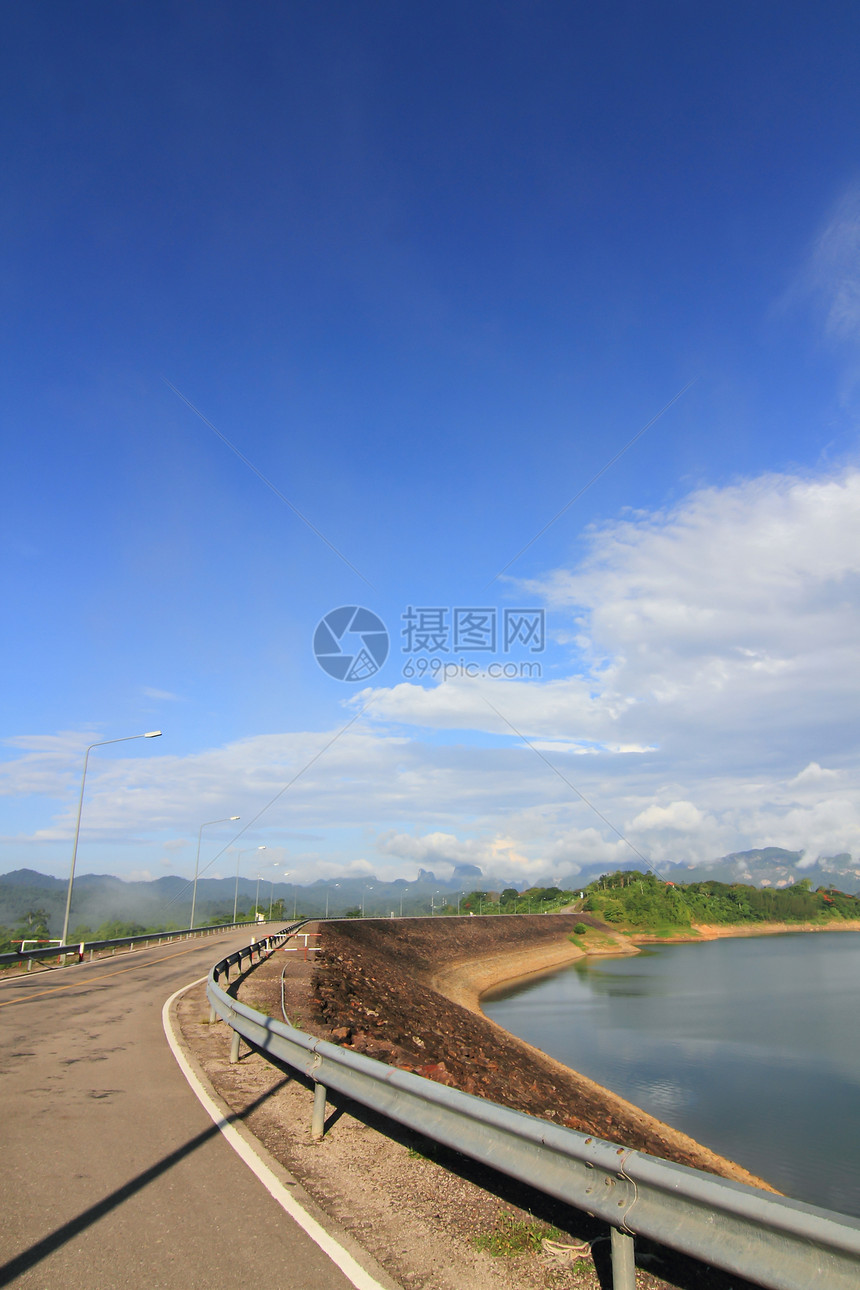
705 661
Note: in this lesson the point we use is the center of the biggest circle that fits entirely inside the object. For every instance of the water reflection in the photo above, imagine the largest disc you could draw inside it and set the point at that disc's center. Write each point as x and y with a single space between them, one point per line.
751 1046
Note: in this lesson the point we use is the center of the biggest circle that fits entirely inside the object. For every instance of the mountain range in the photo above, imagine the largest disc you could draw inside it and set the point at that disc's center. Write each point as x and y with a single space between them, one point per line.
100 898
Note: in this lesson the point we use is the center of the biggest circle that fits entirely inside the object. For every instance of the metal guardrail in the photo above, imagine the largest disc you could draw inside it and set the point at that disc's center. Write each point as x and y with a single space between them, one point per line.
770 1240
81 948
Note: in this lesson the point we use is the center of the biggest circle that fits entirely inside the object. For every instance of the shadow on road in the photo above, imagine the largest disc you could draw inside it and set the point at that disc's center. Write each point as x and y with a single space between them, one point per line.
42 1249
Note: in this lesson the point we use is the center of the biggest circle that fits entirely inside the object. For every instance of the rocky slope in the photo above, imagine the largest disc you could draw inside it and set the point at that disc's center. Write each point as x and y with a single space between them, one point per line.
375 989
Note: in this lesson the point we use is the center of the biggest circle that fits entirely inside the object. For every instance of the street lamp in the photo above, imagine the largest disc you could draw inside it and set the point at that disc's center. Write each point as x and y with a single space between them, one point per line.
432 903
272 888
150 734
226 820
328 886
238 862
364 892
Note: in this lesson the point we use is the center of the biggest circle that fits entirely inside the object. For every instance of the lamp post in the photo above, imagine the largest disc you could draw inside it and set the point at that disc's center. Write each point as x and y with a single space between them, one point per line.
238 862
150 734
227 819
328 886
433 903
364 892
272 889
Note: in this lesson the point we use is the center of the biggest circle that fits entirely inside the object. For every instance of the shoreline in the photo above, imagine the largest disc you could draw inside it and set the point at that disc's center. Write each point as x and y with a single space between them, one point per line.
468 981
700 933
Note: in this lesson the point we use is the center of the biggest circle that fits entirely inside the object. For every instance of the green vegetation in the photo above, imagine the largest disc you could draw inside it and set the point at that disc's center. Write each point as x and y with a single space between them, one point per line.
512 1236
641 900
32 926
580 929
535 900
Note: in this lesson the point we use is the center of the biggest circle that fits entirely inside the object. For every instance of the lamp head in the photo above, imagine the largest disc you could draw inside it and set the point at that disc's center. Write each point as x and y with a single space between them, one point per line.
152 734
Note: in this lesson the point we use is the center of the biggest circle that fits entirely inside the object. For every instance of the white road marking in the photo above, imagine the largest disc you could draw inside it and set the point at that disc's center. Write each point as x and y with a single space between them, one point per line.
349 1266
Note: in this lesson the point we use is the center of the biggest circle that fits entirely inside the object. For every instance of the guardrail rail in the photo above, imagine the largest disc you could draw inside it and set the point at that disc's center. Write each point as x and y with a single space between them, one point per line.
80 949
768 1239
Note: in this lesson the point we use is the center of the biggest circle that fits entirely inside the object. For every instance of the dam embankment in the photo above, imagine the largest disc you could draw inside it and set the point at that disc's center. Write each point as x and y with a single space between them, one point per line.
407 992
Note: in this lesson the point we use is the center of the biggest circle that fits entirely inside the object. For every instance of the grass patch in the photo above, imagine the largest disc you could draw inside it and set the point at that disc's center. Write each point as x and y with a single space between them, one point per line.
514 1236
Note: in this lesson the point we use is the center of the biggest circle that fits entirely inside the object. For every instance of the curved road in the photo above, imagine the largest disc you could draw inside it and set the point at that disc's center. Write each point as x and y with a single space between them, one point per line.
114 1175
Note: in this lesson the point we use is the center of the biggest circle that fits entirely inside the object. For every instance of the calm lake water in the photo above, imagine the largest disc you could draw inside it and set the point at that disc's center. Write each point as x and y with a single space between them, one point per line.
750 1046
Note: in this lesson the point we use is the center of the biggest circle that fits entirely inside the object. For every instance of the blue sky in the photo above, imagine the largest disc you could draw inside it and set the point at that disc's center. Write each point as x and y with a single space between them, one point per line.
429 271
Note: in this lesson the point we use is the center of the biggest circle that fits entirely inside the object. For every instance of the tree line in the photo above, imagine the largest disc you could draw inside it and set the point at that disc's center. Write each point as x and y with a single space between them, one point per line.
642 900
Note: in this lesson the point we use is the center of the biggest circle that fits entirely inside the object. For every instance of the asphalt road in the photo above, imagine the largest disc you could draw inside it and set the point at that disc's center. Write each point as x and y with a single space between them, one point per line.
113 1174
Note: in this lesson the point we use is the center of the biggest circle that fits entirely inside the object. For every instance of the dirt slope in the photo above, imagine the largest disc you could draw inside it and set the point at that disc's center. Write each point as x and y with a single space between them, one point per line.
375 989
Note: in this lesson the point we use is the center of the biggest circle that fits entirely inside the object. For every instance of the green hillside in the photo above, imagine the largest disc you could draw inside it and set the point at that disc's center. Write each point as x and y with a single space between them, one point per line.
642 901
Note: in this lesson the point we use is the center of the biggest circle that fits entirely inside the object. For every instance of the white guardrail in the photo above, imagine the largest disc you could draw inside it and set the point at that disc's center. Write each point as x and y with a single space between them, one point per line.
768 1239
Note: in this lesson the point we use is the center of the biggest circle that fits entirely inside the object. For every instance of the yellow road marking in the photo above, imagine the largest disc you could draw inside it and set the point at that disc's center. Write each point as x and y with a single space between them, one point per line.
72 985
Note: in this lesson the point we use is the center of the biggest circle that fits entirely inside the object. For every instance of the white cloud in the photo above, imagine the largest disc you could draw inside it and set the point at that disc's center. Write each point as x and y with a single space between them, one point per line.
705 702
443 851
723 629
681 816
813 775
835 268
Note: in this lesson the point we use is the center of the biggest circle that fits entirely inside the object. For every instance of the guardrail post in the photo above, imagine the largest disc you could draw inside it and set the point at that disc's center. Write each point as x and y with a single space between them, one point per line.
623 1261
234 1048
318 1117
213 1015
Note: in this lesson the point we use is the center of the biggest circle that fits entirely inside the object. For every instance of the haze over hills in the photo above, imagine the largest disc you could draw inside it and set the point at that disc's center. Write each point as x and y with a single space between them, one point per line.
101 898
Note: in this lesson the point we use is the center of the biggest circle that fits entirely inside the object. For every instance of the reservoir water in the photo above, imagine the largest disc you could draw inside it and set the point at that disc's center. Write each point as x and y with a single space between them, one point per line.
751 1046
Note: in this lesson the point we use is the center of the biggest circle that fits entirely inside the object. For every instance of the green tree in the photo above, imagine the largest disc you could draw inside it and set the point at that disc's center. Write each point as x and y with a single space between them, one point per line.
613 911
34 925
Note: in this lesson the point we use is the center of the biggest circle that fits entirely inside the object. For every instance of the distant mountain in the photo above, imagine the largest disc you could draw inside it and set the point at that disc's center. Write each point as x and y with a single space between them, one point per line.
166 901
30 878
775 867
